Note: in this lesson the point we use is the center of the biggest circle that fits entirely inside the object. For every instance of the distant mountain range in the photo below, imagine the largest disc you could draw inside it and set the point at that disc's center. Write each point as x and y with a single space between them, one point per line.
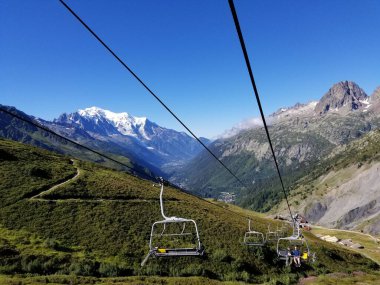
141 141
302 136
154 144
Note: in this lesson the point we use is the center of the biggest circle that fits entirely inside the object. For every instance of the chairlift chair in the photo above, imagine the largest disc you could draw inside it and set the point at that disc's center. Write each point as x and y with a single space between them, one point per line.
280 232
175 233
253 238
271 235
296 239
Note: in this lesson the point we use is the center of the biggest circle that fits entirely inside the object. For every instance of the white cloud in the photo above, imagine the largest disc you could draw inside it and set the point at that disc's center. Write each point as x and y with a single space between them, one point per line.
250 123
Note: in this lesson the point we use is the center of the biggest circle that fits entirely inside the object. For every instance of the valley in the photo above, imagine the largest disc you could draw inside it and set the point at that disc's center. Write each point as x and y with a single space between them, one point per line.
309 140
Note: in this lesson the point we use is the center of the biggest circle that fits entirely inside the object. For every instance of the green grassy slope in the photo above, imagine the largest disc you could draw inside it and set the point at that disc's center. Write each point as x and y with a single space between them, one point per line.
99 223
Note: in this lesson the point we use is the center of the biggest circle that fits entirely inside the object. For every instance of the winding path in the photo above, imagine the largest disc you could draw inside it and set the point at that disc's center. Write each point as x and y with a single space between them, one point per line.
38 196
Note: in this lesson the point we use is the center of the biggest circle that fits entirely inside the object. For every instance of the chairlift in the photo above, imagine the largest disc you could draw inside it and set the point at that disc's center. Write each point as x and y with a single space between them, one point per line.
271 235
285 244
253 238
281 232
173 236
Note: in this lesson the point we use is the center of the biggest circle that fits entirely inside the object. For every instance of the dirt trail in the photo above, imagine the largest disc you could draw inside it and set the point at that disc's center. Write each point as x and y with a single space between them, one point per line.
37 197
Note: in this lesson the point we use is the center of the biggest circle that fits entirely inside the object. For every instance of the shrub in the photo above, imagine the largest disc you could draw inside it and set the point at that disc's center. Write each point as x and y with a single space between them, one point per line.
192 270
244 276
84 268
219 255
39 172
108 270
51 243
230 276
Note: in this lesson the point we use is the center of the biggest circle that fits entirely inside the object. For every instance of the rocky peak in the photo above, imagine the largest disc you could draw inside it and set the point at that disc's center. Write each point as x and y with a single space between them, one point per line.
345 95
376 94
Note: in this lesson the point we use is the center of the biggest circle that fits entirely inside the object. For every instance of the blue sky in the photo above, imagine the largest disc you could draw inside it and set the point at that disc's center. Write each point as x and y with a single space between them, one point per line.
187 52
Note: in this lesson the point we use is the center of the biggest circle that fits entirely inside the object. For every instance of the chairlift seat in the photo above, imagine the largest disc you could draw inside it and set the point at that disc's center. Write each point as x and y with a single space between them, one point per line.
192 246
253 238
271 235
296 239
282 253
162 252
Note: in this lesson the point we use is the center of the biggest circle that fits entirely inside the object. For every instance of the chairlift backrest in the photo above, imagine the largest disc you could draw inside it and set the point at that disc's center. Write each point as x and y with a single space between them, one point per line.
253 238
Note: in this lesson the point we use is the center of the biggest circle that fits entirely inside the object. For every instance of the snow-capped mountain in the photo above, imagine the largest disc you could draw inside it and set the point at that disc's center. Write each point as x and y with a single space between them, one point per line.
142 143
106 123
135 135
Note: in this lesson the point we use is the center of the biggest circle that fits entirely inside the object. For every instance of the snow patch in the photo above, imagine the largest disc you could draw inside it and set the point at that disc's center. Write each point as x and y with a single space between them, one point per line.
365 101
296 110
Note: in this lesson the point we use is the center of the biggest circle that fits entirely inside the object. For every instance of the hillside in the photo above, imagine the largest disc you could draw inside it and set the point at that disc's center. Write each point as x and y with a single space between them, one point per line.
98 224
343 190
302 136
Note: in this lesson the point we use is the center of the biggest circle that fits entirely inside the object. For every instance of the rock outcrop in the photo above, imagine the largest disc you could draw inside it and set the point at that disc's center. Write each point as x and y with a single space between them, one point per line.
345 95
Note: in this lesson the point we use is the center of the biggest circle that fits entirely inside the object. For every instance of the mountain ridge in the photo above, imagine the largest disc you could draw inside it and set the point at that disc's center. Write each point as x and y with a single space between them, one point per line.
301 137
136 138
158 145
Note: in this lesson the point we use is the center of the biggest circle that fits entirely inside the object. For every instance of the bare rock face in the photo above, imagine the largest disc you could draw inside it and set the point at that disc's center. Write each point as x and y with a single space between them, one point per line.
343 96
376 94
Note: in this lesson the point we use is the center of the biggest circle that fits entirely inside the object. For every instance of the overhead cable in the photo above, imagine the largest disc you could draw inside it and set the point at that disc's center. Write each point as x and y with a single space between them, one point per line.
242 44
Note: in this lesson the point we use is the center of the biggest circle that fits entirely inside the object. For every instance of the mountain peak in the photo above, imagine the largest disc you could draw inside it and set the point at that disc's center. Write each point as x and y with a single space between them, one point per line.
116 118
106 122
344 95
